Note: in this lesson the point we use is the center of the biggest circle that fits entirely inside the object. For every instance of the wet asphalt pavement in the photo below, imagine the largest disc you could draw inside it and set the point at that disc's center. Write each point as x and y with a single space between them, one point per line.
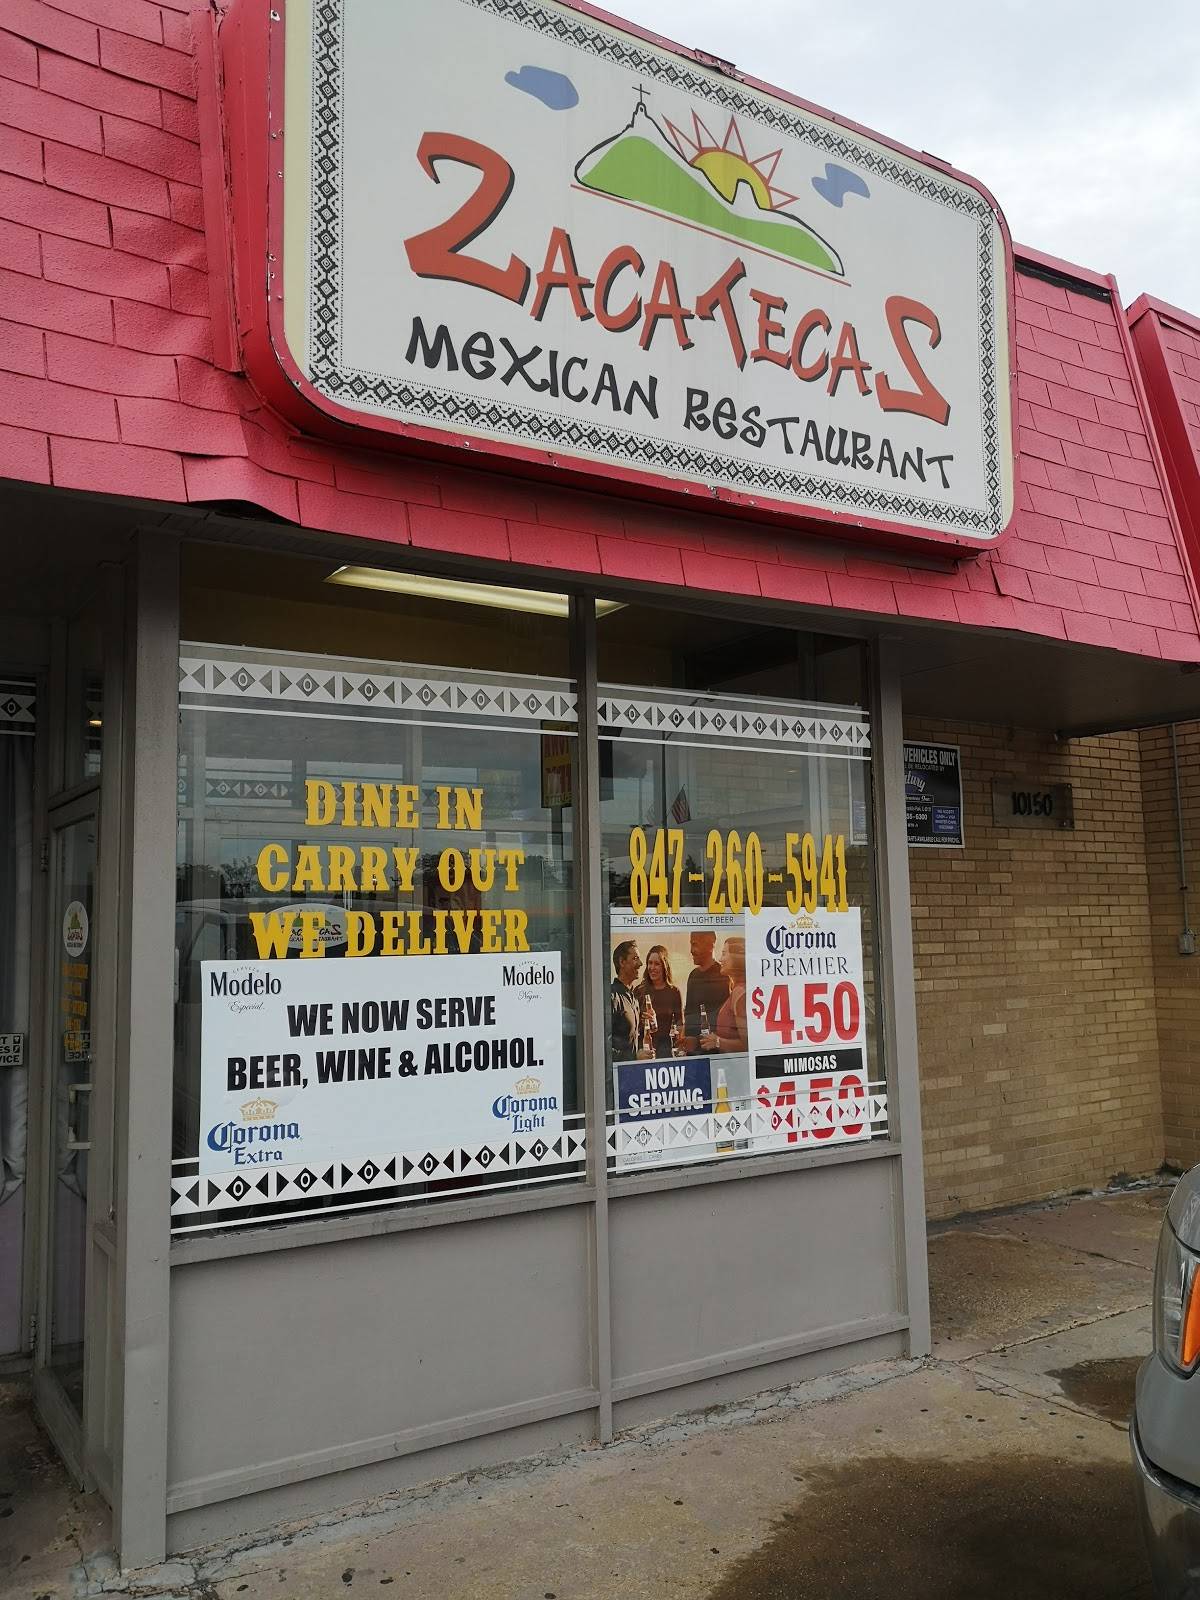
998 1467
1038 1527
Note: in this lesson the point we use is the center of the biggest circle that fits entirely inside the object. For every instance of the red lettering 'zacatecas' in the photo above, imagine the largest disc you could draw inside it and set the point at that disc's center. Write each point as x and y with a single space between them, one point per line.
806 346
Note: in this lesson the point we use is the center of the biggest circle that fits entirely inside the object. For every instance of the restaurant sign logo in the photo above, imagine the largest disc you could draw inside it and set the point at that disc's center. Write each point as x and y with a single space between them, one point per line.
518 227
697 178
75 929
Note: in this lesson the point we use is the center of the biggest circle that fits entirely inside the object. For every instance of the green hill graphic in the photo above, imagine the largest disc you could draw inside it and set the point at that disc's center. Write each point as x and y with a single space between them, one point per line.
639 164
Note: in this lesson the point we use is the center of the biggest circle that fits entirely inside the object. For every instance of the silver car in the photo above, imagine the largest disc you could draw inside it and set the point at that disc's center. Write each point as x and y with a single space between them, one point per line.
1164 1435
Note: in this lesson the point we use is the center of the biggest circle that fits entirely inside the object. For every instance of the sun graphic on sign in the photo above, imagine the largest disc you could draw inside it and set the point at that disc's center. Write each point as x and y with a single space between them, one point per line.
713 184
726 163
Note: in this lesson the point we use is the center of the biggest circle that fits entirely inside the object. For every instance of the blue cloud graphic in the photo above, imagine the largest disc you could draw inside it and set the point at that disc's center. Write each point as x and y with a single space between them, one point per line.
553 89
838 182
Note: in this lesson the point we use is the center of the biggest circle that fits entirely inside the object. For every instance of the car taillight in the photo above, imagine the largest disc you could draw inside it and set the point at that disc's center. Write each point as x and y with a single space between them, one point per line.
1176 1303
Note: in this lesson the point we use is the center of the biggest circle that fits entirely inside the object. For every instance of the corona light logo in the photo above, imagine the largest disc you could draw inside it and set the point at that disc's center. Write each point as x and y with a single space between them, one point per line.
259 1110
525 1109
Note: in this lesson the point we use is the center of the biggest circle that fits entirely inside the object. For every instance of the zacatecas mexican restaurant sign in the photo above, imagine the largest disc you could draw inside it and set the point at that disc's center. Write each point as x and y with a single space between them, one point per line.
524 227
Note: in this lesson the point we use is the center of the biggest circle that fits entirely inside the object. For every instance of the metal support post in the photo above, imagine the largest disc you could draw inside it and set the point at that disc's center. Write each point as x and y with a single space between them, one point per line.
592 1060
144 1077
897 988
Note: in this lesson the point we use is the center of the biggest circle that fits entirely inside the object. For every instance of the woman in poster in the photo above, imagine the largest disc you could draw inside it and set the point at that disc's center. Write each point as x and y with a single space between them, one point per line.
667 1002
729 1031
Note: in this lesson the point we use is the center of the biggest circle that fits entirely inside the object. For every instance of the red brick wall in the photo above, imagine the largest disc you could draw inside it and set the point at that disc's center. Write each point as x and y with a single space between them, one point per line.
107 383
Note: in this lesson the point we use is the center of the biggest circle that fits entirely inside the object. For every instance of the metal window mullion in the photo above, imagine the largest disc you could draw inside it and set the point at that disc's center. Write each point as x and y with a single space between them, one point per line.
141 1335
897 989
37 1169
592 968
102 1115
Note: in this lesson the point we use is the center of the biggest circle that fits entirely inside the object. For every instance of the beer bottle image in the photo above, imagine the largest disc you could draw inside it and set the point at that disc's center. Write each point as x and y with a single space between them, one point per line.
703 1021
722 1107
649 1022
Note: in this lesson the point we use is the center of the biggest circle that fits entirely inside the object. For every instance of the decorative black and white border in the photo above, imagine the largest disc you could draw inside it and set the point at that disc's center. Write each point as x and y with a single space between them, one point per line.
209 677
18 707
228 1199
236 1195
252 782
662 1139
430 405
657 715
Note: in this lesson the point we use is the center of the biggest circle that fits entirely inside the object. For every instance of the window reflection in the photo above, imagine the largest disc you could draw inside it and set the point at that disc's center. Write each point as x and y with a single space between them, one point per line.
732 789
338 808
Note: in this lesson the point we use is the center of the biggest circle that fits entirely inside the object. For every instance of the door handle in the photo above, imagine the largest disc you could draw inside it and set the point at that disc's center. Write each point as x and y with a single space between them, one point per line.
73 1094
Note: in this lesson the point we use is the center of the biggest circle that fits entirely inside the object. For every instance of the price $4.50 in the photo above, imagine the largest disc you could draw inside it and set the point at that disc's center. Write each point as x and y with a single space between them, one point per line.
824 1015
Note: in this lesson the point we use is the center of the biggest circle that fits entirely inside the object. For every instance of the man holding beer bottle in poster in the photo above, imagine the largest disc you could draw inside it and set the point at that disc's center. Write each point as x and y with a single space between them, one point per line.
707 988
625 1022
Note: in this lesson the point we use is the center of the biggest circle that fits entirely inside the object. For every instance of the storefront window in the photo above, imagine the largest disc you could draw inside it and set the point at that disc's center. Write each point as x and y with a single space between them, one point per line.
737 869
376 928
337 812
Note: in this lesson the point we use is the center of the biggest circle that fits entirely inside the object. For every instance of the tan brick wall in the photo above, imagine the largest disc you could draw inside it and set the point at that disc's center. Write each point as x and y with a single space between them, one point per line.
1035 982
1177 978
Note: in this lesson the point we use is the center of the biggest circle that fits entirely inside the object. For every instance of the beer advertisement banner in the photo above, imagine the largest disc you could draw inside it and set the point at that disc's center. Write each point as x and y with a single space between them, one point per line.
306 1063
674 1075
523 225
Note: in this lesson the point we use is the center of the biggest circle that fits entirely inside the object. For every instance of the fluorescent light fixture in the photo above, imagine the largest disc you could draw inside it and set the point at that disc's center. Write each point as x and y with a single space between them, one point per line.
504 598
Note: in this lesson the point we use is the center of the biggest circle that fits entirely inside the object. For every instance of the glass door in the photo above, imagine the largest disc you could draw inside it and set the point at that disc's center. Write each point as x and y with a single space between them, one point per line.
18 704
71 967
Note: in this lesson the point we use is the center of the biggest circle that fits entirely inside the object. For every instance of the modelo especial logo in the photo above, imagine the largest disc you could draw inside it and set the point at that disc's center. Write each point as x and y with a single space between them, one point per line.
241 985
524 1110
255 1140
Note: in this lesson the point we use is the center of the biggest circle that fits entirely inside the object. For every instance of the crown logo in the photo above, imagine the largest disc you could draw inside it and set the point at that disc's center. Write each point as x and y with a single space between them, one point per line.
527 1085
258 1110
804 920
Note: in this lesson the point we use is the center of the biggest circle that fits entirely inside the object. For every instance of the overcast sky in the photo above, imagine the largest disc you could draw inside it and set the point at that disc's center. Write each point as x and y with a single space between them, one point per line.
1081 116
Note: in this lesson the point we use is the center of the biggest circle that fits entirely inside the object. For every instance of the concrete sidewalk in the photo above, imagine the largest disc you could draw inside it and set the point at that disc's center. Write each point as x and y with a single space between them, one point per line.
998 1466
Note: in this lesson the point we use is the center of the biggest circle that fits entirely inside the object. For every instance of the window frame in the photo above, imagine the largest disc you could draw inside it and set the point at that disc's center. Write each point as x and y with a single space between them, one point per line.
598 1179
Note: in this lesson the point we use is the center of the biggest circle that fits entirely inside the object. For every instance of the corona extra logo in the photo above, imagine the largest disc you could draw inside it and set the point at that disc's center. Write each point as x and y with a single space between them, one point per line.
256 1140
258 1110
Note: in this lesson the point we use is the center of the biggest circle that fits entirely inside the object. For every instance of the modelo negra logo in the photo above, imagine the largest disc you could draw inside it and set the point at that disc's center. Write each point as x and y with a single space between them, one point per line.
529 977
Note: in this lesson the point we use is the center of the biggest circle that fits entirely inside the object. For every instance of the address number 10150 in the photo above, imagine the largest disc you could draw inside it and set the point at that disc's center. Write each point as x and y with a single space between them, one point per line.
814 873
